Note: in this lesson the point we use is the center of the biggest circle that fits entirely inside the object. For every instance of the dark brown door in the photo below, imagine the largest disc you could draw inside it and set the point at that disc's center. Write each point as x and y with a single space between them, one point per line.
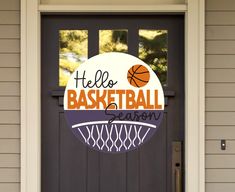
70 166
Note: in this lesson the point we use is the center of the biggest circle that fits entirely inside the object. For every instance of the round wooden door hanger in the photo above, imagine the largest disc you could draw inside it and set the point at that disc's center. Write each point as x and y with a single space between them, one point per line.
114 102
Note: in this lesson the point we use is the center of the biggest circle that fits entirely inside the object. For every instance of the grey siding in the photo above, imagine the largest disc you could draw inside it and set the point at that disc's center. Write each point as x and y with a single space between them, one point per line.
220 95
10 96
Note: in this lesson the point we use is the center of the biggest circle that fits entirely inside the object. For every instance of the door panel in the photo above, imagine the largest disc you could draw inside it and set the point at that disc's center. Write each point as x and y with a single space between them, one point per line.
67 164
75 154
149 155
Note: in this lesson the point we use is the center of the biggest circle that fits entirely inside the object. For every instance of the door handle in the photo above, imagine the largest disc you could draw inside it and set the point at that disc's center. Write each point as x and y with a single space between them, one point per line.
178 180
176 166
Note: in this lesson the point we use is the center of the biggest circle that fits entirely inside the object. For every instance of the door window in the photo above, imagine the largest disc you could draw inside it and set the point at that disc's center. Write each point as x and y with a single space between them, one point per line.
113 41
153 51
73 50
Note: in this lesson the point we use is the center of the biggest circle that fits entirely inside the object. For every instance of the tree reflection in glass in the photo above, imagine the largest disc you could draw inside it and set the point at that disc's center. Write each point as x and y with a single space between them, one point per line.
73 51
153 51
113 40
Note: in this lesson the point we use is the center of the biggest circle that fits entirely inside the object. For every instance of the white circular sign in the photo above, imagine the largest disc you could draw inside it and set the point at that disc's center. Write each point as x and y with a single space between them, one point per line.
114 102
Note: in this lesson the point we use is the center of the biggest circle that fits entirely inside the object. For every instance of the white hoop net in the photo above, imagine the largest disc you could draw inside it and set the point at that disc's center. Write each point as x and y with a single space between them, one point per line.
113 137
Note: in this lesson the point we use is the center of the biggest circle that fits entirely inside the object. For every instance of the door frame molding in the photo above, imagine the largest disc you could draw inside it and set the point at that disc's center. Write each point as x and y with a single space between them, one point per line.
194 12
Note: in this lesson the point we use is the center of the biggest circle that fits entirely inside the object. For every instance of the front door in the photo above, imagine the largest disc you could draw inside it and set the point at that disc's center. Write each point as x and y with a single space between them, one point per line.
70 166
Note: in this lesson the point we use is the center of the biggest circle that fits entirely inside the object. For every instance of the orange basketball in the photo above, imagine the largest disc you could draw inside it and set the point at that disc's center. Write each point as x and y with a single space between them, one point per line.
138 75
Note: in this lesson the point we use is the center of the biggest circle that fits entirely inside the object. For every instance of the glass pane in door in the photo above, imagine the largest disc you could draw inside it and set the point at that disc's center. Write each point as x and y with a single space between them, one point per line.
73 51
153 51
113 41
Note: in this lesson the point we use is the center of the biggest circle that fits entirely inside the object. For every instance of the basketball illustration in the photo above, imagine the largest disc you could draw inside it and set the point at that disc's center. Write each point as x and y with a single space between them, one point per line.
138 75
114 102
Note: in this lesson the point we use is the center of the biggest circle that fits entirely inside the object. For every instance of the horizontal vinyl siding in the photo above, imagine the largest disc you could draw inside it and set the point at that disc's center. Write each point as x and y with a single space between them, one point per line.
9 17
220 5
8 175
220 175
220 75
224 90
220 18
10 187
9 96
220 118
10 60
9 146
9 88
10 131
219 187
220 95
220 32
220 104
9 46
9 31
9 160
10 74
220 47
217 132
9 103
213 148
10 5
220 61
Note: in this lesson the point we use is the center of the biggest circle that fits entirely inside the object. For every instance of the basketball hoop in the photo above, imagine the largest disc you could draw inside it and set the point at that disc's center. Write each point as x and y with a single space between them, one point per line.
112 137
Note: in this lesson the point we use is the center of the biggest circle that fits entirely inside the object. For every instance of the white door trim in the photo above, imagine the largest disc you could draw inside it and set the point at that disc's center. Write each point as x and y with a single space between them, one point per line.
116 8
194 87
